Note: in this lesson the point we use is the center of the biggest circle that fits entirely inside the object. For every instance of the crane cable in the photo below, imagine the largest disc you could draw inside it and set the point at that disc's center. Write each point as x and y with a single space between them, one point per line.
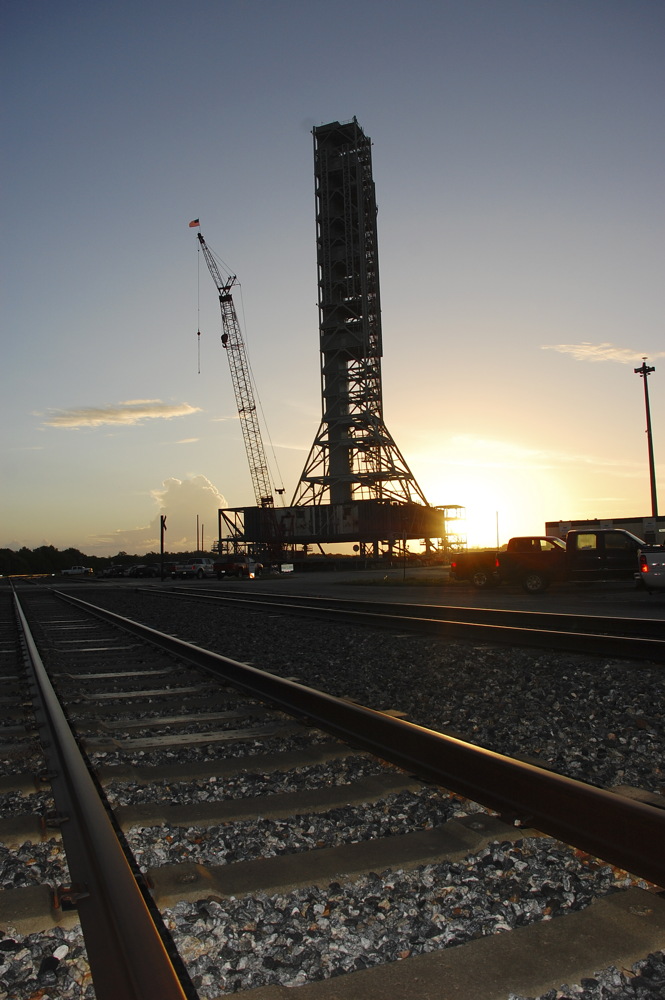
198 306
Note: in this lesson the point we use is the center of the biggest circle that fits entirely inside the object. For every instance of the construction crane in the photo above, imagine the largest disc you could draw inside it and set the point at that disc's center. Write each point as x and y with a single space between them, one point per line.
242 383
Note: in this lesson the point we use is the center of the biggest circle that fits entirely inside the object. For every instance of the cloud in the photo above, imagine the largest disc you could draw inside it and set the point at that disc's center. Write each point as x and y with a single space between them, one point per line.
601 352
131 411
290 447
181 501
471 451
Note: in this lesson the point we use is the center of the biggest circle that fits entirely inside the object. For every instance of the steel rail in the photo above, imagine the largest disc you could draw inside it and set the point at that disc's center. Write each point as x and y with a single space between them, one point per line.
643 628
618 830
595 643
127 958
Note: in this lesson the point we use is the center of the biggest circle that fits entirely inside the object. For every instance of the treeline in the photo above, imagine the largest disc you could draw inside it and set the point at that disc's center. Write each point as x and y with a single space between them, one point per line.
48 559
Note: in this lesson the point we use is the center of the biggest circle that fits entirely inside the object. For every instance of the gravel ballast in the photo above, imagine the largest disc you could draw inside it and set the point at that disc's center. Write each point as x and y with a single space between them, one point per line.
590 718
597 720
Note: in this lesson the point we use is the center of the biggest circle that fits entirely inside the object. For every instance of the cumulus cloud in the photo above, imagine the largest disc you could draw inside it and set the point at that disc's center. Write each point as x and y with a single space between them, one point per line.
131 411
601 352
181 501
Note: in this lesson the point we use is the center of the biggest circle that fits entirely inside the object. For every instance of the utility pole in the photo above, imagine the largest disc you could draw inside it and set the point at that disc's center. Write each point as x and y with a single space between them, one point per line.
644 373
162 522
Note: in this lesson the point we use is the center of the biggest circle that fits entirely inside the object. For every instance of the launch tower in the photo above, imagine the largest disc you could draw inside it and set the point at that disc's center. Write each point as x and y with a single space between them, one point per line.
355 486
353 456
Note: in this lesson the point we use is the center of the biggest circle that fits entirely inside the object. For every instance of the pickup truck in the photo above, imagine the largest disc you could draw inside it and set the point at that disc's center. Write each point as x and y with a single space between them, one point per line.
652 567
77 571
536 561
198 567
239 565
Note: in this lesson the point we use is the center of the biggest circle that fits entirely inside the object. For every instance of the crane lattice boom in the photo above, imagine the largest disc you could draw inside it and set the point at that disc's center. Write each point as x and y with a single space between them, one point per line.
242 383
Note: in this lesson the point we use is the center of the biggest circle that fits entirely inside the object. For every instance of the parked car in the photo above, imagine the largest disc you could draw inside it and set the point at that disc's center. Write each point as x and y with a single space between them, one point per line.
652 567
536 561
78 571
144 570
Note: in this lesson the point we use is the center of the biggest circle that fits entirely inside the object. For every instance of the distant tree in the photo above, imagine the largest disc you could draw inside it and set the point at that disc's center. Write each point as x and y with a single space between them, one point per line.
71 557
12 562
45 559
27 556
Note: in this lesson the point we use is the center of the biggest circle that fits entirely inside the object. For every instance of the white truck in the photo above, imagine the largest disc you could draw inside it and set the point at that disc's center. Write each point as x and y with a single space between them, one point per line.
77 571
652 567
198 567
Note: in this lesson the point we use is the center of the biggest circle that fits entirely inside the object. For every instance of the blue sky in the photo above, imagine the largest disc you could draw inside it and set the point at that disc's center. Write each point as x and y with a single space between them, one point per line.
518 159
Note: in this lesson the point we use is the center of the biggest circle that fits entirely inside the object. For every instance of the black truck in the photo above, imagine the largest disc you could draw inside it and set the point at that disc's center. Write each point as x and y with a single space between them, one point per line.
536 561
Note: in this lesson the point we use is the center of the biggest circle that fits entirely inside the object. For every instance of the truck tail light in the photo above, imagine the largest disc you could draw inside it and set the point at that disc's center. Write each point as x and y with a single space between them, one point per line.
644 565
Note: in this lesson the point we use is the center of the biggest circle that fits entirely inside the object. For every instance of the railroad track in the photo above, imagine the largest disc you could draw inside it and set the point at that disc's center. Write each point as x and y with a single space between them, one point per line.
232 824
634 638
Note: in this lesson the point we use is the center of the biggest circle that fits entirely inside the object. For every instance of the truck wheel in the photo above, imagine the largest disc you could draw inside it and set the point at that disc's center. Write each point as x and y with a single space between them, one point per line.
200 575
535 583
481 579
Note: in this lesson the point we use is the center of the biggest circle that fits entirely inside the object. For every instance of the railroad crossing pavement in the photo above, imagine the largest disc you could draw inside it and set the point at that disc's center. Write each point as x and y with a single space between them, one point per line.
432 585
416 585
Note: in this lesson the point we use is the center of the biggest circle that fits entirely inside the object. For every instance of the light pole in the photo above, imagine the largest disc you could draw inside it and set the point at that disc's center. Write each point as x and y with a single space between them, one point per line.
644 373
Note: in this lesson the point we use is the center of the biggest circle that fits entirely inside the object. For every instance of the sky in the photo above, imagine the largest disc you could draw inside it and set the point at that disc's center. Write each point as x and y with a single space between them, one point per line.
518 150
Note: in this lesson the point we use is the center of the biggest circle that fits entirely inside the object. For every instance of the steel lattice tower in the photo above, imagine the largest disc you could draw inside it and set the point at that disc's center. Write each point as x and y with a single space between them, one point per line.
353 456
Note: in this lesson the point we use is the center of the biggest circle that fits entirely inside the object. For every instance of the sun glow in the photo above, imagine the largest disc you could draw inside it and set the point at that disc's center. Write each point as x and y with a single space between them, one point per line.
505 490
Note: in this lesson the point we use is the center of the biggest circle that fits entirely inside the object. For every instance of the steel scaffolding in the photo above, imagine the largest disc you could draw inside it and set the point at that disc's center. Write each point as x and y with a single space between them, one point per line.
354 456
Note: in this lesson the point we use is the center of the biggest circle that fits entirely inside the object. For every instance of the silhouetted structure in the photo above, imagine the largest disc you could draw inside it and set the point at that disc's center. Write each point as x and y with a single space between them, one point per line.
356 485
353 456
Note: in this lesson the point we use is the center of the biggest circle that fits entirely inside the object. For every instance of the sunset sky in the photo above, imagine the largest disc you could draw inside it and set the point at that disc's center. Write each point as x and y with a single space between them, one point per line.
518 151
